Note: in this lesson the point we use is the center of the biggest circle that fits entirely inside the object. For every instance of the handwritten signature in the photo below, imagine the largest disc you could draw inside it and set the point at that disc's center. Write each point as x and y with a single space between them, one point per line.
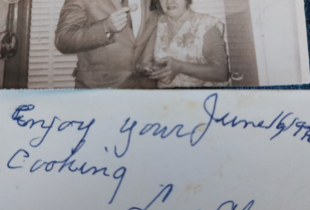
234 205
167 190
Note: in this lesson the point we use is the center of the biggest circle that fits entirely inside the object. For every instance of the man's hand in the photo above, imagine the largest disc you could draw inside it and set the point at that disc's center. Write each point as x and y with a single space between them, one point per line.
116 21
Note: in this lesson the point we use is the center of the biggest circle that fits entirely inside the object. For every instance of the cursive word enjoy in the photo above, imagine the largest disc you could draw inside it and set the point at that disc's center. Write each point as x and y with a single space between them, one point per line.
68 163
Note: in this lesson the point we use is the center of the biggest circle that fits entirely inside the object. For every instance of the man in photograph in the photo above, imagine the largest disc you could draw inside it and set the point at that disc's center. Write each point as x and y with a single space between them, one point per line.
111 37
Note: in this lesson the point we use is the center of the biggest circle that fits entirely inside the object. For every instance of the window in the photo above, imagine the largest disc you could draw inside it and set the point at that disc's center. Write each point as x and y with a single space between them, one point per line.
48 68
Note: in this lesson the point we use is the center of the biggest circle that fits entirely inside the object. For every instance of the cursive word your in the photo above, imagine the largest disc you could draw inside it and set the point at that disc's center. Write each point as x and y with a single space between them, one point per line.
281 123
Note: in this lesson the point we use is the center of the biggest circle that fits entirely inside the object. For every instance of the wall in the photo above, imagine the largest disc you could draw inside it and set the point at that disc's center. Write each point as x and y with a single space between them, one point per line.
263 39
241 43
3 14
276 41
212 7
235 14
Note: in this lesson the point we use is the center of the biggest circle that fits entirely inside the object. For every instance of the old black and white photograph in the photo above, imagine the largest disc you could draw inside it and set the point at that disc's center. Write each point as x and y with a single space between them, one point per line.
152 44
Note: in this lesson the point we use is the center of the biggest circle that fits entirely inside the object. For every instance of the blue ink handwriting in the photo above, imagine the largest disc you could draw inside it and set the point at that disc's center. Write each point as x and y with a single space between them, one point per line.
167 190
31 123
234 206
281 123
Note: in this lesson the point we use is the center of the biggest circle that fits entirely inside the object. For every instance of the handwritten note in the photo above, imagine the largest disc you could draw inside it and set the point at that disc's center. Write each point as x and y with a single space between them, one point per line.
141 150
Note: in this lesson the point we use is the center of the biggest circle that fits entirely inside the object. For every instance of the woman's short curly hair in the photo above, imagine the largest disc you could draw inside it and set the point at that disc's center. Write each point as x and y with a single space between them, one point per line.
155 4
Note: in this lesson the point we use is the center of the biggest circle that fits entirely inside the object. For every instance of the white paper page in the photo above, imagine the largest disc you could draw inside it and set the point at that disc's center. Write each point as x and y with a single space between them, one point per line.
172 150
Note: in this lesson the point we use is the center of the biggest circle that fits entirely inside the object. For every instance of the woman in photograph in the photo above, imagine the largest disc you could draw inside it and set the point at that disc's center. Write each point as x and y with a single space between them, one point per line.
191 47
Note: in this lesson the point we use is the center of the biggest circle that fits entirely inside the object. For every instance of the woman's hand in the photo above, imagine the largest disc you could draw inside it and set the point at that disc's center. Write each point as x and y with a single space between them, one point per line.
168 73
